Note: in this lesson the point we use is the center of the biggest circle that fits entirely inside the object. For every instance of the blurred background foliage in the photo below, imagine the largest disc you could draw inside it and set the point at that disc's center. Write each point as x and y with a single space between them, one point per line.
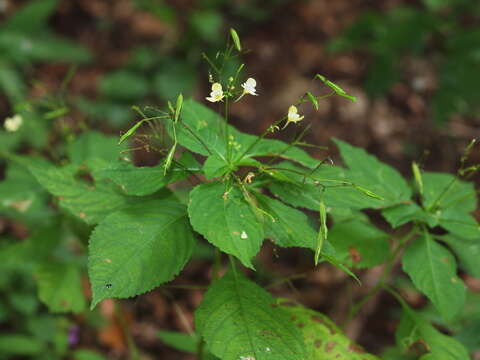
71 65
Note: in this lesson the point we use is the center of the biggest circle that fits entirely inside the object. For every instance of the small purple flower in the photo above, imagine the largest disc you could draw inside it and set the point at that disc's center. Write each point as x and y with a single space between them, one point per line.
73 335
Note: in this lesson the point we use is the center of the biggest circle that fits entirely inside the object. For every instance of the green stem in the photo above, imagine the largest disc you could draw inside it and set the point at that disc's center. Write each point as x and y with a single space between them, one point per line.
442 194
227 132
276 123
196 137
200 346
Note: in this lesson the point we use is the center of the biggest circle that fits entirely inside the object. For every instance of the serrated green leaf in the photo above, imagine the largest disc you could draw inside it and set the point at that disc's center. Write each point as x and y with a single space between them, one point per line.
89 203
60 288
403 213
458 223
323 338
215 166
468 252
359 244
238 320
331 182
432 269
368 172
93 145
414 329
444 191
141 181
136 249
226 219
285 226
449 201
288 227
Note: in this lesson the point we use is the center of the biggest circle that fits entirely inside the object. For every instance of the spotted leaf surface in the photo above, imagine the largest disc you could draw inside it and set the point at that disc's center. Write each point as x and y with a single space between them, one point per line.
240 321
323 339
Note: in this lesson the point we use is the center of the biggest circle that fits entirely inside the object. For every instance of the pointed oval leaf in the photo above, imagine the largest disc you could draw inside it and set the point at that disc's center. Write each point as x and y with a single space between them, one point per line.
370 173
415 329
468 252
323 338
226 219
138 248
140 181
433 271
239 321
285 226
359 244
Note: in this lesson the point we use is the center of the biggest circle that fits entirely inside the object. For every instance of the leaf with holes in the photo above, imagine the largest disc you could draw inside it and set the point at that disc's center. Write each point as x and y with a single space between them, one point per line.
136 249
239 320
225 218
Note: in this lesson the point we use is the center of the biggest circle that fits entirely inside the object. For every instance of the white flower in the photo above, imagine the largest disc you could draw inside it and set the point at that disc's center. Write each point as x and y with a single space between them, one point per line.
249 87
217 93
13 124
293 115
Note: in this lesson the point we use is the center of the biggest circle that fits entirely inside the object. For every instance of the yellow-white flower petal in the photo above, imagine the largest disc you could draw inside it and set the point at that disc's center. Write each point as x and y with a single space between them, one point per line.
216 94
293 115
14 123
249 86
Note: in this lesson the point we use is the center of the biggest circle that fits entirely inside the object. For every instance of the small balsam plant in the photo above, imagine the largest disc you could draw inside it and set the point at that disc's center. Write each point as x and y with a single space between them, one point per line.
243 190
